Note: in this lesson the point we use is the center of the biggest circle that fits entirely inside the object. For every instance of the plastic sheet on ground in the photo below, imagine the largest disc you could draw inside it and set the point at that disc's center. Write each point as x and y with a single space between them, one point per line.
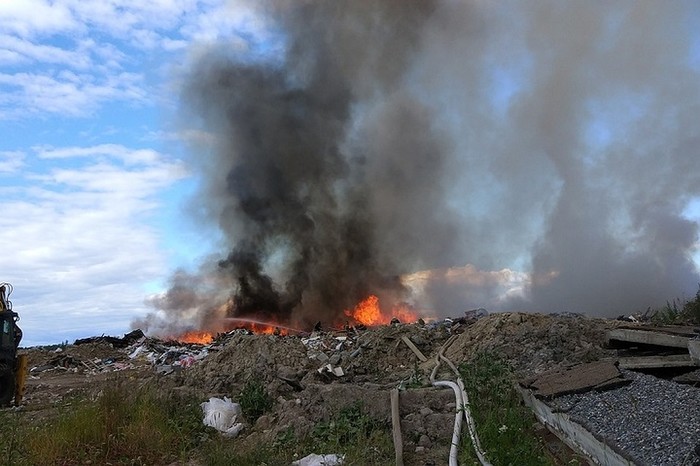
166 356
222 415
320 460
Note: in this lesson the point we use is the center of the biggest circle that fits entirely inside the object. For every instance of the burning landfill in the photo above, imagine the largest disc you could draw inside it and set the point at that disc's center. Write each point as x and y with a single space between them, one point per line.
352 156
364 152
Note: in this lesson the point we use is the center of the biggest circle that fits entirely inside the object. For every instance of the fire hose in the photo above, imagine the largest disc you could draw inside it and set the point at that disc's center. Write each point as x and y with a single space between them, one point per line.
462 402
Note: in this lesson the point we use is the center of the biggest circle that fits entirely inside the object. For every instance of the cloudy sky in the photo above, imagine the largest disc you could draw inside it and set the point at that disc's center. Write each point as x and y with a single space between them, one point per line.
95 150
92 176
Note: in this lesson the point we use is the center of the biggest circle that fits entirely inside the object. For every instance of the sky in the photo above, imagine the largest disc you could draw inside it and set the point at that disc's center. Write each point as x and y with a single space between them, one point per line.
96 175
93 181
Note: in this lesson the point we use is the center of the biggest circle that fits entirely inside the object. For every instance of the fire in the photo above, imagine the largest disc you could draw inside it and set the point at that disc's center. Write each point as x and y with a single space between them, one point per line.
368 313
203 338
404 313
266 329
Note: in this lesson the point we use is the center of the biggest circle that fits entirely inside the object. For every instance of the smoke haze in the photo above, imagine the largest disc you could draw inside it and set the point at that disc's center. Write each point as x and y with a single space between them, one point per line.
391 137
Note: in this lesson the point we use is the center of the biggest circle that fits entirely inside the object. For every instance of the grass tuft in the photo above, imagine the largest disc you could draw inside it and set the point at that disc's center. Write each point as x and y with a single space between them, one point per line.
363 439
504 424
121 427
254 400
679 311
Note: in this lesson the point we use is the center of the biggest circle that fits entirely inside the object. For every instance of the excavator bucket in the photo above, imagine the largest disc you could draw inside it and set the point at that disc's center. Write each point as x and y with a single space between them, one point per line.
20 378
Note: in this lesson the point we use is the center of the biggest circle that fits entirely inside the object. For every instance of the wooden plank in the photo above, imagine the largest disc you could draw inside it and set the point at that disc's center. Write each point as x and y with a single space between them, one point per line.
647 337
414 348
573 434
396 427
656 362
575 379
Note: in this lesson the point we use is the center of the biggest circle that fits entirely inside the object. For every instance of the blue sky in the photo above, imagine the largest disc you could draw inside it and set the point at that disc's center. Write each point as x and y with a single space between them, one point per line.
93 177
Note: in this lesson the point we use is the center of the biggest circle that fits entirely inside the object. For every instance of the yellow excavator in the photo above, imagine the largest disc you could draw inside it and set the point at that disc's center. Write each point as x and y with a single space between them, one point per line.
13 368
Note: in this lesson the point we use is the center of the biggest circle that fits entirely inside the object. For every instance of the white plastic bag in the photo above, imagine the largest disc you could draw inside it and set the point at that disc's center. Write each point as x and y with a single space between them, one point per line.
320 460
222 415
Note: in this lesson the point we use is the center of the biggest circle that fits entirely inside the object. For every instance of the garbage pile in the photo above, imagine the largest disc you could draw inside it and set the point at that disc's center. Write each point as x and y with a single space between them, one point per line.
312 375
90 356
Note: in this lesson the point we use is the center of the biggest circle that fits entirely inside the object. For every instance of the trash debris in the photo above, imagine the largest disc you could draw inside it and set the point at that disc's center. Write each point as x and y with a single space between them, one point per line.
476 314
128 339
320 460
222 415
330 369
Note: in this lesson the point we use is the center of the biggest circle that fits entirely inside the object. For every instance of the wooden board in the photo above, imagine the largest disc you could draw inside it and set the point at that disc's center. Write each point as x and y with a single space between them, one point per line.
576 379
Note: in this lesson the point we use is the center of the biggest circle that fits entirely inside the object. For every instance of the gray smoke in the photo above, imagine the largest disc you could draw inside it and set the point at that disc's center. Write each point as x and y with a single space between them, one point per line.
396 136
576 133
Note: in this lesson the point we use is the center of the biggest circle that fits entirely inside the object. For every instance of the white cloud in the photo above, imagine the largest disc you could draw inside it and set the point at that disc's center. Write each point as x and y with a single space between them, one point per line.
66 93
195 137
115 49
125 154
29 17
11 161
19 51
78 239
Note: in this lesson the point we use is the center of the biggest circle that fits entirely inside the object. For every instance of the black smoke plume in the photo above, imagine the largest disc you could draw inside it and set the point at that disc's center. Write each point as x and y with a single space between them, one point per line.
388 137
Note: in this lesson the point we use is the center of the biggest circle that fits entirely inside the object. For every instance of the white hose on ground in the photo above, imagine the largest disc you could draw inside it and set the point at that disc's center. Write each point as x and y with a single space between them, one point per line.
457 429
462 401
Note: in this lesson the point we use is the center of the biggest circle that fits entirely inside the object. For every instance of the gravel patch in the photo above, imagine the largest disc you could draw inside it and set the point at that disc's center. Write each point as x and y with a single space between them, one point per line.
655 422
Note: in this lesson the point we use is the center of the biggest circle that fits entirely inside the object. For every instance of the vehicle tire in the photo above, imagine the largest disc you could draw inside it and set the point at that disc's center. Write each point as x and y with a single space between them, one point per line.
7 387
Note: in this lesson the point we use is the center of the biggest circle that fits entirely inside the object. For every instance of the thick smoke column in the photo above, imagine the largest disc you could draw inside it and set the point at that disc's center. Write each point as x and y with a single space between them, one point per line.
311 214
392 137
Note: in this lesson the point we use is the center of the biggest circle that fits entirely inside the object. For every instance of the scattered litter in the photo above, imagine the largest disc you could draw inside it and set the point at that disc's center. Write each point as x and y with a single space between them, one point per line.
222 415
476 314
320 460
330 369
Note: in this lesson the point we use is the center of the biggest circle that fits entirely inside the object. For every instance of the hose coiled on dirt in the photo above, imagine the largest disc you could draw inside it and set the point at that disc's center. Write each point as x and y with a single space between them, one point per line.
462 401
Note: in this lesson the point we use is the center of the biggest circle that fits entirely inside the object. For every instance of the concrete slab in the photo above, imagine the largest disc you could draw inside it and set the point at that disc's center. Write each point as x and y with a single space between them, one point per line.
694 350
576 379
573 434
647 337
692 378
656 362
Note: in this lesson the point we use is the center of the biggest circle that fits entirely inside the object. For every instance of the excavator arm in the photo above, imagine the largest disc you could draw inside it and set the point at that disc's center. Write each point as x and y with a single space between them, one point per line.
13 368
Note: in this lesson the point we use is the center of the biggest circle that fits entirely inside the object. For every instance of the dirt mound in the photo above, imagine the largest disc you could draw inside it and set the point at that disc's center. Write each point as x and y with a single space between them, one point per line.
244 357
534 343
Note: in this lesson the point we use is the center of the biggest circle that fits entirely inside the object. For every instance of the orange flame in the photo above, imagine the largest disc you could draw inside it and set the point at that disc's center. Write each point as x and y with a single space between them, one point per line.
368 312
266 329
202 338
404 313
